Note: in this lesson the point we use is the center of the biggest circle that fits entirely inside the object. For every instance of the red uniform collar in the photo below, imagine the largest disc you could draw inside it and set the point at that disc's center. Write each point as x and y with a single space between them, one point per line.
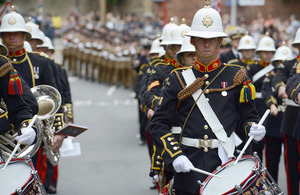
17 54
247 62
262 63
167 60
298 58
173 62
210 67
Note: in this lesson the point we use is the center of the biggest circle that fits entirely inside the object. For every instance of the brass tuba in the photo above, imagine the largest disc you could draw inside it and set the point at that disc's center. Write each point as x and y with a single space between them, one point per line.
49 100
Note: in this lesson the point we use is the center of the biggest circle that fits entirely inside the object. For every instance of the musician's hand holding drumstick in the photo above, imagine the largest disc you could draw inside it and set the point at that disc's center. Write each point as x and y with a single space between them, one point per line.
183 165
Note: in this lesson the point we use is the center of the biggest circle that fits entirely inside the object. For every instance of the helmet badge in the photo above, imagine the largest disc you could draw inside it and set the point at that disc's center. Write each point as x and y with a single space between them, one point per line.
207 21
12 20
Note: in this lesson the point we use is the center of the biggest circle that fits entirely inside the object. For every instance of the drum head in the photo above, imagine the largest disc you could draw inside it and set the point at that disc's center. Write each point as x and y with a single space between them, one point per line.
231 175
16 174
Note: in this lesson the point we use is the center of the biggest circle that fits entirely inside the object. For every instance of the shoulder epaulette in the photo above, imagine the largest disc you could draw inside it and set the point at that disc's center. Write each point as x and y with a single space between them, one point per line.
181 68
41 54
232 61
235 65
5 68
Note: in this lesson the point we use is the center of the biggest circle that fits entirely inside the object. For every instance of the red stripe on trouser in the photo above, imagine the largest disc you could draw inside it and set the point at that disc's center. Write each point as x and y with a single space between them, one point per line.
54 176
43 169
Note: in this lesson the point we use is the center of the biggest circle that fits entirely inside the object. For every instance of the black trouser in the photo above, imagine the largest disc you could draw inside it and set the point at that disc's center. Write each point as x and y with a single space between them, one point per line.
292 159
272 153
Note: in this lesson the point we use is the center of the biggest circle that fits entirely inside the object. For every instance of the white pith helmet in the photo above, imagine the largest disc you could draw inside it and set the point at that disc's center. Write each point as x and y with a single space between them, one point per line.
266 44
42 35
155 47
27 46
47 43
207 23
186 47
33 29
246 42
167 32
14 22
297 38
179 33
283 53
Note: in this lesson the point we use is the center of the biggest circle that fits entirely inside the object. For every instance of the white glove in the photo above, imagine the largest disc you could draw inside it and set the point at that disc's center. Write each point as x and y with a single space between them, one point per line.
258 132
182 164
27 136
154 178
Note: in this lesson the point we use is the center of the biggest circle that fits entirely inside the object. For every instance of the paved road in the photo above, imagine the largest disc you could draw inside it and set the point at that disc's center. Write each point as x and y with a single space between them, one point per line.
112 161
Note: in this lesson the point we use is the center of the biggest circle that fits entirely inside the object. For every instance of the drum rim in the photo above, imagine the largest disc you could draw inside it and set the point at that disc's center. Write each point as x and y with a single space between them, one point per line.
28 162
224 165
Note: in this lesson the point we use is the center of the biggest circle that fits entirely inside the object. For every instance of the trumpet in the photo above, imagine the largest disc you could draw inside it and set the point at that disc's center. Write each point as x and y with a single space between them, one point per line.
49 100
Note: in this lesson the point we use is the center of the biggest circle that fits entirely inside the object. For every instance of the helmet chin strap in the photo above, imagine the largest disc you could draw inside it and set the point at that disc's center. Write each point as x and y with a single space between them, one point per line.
8 44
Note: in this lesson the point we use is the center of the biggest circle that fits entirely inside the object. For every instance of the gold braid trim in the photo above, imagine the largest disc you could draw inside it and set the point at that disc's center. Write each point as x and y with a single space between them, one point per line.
5 68
191 89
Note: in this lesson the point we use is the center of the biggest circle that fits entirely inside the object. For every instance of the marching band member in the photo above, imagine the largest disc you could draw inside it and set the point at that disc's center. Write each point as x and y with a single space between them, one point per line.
247 48
15 113
285 72
224 96
35 70
235 35
274 139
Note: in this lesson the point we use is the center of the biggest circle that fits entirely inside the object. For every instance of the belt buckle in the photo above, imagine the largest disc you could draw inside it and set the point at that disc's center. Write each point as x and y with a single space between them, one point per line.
205 144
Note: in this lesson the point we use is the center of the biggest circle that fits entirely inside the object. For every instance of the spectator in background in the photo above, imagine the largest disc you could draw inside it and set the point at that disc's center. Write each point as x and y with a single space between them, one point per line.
48 27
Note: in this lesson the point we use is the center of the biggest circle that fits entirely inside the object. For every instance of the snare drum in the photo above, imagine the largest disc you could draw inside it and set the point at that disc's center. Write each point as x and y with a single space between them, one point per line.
247 177
19 177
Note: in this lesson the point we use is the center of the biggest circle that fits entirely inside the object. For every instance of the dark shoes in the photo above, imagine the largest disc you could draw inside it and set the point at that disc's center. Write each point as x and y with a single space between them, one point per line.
52 190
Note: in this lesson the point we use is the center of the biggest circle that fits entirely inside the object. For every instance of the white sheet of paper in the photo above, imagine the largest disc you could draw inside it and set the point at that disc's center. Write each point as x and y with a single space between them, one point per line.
76 151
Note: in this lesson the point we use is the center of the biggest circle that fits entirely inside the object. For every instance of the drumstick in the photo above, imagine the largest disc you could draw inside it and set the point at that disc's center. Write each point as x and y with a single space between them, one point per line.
204 172
263 118
19 143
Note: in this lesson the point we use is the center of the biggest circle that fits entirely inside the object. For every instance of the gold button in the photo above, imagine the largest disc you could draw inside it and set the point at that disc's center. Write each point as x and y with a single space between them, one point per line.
169 139
205 126
205 150
175 148
206 82
206 91
172 143
158 157
207 99
206 76
157 162
205 136
14 59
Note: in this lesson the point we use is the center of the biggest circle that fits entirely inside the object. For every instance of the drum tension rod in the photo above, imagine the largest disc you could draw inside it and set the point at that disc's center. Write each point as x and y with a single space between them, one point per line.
239 189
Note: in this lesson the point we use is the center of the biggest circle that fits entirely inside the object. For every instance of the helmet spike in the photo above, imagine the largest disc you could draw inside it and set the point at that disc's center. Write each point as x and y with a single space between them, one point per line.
183 21
207 3
12 8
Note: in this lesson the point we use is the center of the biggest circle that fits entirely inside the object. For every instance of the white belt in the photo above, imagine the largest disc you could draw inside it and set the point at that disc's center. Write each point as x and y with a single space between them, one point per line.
290 102
200 143
176 130
258 95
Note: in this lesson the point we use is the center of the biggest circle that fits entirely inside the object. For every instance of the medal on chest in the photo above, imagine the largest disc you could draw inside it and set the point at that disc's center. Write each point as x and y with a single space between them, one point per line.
36 71
224 85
